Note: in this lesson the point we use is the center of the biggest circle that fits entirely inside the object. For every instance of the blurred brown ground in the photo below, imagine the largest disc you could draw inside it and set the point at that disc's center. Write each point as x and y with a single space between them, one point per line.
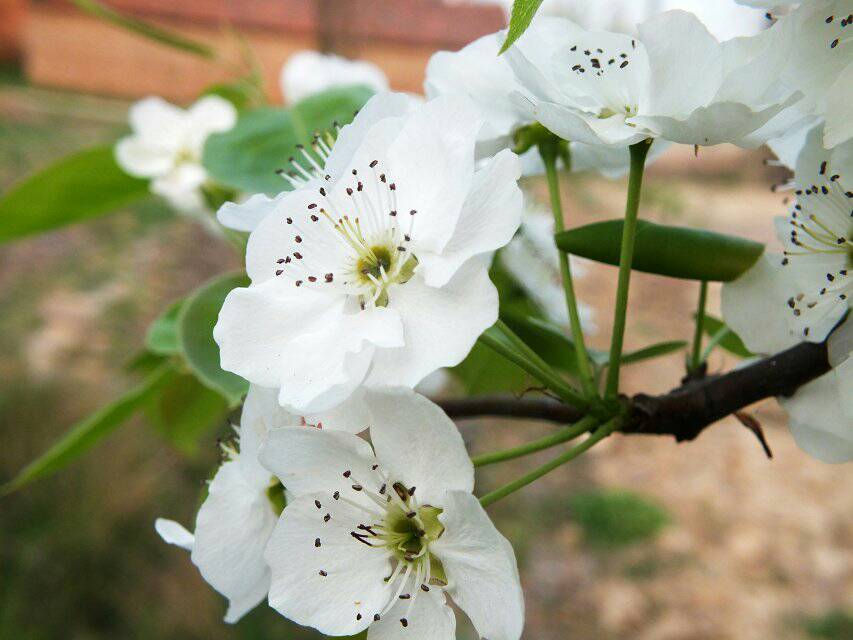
755 546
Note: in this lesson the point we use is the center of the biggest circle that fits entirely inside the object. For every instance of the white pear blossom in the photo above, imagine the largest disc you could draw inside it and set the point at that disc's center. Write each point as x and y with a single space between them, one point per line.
242 505
804 293
673 81
308 72
487 78
532 261
166 144
376 270
378 538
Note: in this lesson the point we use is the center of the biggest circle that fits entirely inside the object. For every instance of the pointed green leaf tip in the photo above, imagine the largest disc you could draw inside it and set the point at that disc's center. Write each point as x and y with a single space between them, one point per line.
522 15
89 431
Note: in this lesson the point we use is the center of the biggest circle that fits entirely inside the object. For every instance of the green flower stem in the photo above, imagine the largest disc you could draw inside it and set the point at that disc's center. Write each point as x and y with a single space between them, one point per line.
563 435
696 358
585 373
546 375
599 434
629 230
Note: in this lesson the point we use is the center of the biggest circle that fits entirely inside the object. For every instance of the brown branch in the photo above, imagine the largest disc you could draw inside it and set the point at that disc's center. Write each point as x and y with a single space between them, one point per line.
685 411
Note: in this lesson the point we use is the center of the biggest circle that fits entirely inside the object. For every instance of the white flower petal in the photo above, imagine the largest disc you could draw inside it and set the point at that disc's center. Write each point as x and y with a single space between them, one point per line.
844 380
432 163
353 584
211 114
303 341
257 324
261 412
416 442
481 568
359 132
754 306
570 124
231 532
717 123
839 110
490 216
818 421
685 61
440 326
174 533
351 415
310 460
308 72
428 618
478 71
157 121
246 216
288 229
143 159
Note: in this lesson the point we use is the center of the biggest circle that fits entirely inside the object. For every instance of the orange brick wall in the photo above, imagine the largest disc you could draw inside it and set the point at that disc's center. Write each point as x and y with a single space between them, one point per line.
69 49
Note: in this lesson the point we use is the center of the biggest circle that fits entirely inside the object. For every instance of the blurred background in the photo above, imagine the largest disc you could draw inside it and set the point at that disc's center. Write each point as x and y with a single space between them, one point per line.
641 538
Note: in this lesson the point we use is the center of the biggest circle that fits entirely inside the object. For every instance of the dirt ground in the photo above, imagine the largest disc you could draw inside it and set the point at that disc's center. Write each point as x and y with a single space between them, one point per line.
753 549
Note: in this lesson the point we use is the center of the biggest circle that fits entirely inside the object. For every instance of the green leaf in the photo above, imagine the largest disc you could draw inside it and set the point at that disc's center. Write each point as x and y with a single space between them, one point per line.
162 336
145 29
247 156
730 340
522 15
483 371
239 93
545 338
185 410
653 351
678 252
81 186
86 433
196 320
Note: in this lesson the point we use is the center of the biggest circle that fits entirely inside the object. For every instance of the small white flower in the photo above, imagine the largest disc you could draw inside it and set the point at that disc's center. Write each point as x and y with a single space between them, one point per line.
235 522
673 81
487 78
377 538
803 294
377 271
166 146
308 72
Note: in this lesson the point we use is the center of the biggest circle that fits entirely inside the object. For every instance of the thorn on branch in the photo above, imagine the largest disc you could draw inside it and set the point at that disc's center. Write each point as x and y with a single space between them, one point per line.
751 423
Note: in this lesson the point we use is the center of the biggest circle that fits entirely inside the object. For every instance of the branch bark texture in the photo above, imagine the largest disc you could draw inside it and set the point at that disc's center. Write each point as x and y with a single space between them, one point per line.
685 411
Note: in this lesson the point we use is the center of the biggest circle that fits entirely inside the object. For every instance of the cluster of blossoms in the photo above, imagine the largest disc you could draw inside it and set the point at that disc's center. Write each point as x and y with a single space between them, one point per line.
371 273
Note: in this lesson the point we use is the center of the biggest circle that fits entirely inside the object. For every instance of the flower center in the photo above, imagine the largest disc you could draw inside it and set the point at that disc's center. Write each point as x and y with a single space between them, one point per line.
351 238
605 75
403 530
821 224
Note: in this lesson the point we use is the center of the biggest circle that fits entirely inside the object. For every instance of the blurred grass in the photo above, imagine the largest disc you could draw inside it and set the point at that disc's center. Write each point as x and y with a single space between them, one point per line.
611 518
834 625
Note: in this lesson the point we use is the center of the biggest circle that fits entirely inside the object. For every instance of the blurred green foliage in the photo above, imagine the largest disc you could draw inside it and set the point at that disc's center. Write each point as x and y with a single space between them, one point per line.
613 518
833 625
